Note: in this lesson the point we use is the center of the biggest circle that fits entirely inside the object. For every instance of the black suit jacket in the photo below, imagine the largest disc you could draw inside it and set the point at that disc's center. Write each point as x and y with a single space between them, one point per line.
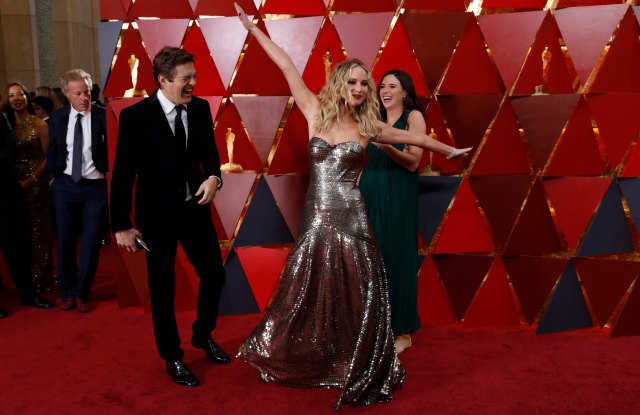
57 153
147 150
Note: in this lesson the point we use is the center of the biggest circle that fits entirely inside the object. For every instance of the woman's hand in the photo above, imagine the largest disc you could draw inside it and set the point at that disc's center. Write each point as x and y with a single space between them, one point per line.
243 18
459 152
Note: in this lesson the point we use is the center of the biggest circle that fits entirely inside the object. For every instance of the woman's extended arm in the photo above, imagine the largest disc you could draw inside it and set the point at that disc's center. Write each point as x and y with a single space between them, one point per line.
306 100
392 135
410 158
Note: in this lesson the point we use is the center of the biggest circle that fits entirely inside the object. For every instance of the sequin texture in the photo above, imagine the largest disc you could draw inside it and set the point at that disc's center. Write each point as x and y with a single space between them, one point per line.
329 323
37 202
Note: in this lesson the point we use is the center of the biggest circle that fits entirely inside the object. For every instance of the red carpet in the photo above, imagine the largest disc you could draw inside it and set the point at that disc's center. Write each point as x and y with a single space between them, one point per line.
105 362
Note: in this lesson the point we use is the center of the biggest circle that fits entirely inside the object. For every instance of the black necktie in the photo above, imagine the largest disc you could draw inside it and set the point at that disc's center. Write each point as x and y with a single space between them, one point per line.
181 135
76 164
181 138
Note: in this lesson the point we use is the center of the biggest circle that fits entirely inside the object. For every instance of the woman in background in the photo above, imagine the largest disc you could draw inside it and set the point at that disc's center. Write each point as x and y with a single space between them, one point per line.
389 185
59 99
32 138
43 91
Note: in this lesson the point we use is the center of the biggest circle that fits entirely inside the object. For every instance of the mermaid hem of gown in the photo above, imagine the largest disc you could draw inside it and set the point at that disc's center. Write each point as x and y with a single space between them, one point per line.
329 323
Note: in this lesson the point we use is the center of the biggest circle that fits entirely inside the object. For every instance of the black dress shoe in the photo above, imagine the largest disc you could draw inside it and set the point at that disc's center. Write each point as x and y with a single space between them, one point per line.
37 302
211 349
3 313
181 374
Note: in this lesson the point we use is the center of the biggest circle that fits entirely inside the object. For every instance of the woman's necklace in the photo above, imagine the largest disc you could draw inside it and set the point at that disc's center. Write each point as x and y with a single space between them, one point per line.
21 120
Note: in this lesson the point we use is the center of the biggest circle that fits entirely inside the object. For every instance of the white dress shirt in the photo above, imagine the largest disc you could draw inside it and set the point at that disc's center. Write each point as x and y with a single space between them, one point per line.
89 171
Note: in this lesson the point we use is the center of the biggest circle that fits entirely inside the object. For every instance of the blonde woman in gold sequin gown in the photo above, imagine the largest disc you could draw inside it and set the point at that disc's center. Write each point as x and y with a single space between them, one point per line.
329 322
32 137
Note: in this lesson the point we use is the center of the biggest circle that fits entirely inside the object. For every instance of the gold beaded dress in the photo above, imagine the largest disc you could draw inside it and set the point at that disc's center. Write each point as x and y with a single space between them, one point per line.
37 202
329 323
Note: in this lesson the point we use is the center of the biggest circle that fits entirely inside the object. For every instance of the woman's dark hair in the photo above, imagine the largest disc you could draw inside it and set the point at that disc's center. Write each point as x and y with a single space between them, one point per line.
411 102
4 102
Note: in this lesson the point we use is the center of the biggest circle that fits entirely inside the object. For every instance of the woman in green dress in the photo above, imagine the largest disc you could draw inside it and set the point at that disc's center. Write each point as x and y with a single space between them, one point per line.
389 184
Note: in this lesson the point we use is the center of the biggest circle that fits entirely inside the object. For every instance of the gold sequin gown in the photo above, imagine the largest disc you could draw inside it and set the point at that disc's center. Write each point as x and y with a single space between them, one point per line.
37 201
329 323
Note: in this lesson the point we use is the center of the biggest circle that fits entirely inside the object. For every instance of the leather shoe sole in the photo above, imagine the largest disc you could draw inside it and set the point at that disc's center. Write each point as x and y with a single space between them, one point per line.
181 374
212 350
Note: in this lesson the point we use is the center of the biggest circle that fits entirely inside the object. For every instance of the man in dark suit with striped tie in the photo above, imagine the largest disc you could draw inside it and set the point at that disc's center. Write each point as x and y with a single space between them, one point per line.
76 166
166 146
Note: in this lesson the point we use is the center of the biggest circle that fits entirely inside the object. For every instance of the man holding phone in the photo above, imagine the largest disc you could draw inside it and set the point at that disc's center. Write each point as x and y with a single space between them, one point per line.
166 143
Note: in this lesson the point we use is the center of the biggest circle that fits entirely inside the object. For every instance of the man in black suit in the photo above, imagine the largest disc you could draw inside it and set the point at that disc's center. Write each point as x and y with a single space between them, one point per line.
76 166
166 142
15 239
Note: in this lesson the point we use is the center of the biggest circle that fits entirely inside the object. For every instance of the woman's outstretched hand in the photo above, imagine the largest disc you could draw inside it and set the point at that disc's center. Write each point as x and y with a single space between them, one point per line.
243 18
459 152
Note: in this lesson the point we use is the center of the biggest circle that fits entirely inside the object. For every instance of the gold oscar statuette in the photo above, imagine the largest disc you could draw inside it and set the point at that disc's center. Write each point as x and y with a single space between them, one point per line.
429 169
327 59
546 59
433 134
134 92
230 167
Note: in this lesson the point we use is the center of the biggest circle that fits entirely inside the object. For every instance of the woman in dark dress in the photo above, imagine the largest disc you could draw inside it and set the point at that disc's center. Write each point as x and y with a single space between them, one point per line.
389 185
32 138
329 323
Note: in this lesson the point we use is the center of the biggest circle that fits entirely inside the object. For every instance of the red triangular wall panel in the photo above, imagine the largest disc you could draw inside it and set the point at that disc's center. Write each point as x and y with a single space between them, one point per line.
326 51
504 150
560 75
586 43
509 37
493 305
545 141
162 32
398 54
605 283
433 37
575 200
471 52
618 125
465 229
577 138
433 304
618 71
362 34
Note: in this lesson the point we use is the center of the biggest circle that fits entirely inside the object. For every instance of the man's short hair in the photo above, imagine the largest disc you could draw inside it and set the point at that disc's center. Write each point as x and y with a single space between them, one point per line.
74 75
166 60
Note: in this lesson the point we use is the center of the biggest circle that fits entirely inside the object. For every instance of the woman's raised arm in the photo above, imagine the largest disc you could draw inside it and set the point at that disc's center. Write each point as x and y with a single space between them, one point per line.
305 99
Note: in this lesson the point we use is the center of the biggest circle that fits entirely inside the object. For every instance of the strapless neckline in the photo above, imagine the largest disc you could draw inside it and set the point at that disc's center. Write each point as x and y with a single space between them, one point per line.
357 143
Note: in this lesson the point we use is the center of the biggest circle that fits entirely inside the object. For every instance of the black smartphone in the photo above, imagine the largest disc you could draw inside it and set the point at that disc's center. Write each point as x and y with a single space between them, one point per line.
140 243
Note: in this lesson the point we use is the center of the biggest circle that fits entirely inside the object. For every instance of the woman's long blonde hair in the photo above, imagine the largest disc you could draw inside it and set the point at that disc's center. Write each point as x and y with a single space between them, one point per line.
333 95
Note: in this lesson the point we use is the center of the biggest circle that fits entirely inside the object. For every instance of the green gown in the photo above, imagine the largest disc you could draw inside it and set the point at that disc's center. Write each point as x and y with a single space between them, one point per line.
391 195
